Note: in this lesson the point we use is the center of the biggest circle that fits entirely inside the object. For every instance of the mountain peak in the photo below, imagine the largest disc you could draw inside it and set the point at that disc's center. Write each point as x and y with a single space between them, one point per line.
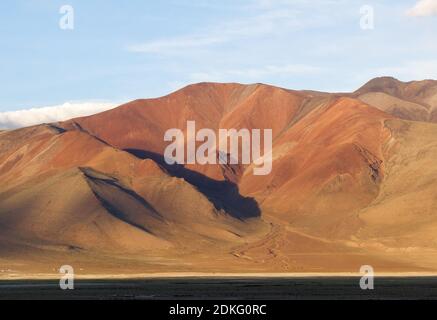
388 85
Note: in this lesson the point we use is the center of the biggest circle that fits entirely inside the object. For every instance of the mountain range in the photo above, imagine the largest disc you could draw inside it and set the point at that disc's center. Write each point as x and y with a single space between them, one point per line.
354 182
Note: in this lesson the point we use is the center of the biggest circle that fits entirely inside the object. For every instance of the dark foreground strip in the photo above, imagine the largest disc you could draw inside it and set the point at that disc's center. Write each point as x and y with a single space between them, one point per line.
215 309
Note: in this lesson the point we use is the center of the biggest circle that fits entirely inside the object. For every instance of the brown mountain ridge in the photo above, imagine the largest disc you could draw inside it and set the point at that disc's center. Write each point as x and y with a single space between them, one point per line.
354 182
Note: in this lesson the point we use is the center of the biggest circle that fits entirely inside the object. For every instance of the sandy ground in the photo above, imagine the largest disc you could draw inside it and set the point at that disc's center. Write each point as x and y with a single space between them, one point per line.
171 275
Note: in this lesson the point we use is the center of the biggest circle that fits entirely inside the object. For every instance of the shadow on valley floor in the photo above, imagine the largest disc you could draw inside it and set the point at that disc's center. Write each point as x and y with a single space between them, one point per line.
223 194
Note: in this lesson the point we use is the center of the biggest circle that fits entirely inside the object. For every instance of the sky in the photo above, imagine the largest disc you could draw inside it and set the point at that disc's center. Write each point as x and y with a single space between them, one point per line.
118 51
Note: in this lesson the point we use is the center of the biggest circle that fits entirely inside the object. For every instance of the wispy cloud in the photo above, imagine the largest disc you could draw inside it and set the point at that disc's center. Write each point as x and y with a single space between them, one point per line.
252 19
308 3
412 70
168 45
424 8
267 22
254 74
33 116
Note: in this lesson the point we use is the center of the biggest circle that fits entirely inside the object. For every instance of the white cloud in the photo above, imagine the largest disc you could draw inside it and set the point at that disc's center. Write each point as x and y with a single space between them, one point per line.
255 18
267 22
33 116
253 74
171 44
424 8
412 70
309 3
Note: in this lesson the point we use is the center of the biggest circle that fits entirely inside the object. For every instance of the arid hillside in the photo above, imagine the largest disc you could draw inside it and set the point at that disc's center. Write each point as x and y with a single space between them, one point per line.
353 182
416 100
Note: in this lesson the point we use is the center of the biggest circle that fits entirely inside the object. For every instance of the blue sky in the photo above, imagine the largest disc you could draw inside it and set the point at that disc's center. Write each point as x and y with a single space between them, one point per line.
122 50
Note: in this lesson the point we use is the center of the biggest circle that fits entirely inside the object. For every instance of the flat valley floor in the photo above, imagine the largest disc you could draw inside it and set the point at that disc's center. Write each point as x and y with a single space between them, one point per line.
335 288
